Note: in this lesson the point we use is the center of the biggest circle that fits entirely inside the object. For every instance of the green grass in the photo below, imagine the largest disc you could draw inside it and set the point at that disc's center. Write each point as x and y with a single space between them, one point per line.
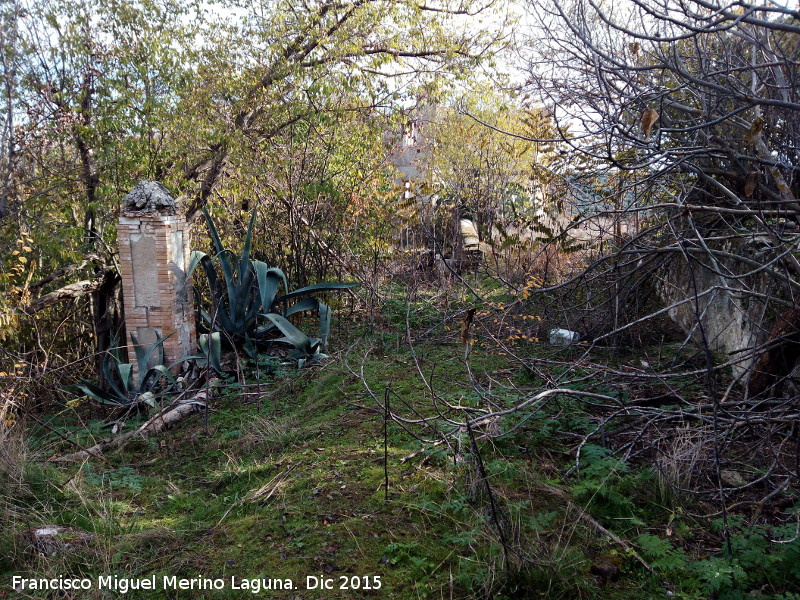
291 485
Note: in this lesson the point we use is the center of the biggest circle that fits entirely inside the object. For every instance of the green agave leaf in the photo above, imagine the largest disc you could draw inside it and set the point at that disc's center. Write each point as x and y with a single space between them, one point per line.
143 354
324 324
293 335
126 374
110 375
244 262
116 350
205 317
157 372
100 395
317 287
249 348
242 300
219 249
269 280
211 274
195 258
262 330
211 346
305 304
221 253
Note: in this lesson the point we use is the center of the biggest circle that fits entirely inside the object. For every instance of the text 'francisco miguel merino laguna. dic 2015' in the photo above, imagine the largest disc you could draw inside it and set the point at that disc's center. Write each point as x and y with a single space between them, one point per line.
123 585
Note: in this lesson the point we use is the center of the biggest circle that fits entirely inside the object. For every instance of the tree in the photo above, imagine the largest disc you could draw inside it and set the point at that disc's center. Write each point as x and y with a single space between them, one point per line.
499 179
687 114
298 59
694 110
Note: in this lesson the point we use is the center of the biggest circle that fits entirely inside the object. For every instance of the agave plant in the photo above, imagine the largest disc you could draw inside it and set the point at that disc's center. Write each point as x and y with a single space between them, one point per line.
125 392
306 349
245 301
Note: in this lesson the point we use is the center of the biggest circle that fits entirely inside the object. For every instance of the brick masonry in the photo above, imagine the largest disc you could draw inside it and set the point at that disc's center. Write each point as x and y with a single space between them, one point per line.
153 255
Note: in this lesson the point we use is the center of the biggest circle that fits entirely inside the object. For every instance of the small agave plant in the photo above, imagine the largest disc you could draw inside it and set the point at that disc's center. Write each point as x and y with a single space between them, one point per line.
246 305
306 349
125 392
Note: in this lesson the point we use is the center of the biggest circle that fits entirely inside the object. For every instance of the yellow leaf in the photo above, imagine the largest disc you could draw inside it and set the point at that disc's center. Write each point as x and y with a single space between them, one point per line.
750 183
649 118
23 260
27 249
755 129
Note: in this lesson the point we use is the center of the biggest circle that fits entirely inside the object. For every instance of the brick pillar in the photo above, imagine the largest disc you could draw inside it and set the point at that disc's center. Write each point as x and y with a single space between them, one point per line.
153 255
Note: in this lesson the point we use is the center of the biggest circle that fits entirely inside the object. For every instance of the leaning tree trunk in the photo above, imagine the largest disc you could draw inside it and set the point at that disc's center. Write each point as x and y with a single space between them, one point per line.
106 311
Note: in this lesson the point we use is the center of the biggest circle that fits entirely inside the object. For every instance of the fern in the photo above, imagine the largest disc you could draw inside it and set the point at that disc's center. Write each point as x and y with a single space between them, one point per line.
662 555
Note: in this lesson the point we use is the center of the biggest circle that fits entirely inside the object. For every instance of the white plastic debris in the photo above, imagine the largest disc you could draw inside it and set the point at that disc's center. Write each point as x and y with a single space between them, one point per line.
564 337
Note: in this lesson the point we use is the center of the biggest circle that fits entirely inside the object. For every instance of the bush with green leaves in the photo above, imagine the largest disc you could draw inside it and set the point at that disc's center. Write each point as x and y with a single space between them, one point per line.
246 306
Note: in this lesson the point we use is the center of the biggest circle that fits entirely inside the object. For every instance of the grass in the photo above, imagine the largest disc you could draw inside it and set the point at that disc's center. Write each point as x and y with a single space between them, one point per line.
291 485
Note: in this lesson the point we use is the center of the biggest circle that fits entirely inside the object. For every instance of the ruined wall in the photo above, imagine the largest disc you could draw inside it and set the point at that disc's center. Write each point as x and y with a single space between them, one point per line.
154 254
723 294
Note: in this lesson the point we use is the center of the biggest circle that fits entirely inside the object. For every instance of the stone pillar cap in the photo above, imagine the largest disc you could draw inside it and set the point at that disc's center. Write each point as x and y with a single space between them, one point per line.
149 197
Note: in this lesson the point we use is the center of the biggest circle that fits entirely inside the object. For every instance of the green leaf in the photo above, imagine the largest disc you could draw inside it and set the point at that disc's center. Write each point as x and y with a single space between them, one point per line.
324 324
109 375
143 355
269 280
100 395
294 336
244 262
159 371
221 253
195 258
249 348
211 346
317 287
302 306
126 375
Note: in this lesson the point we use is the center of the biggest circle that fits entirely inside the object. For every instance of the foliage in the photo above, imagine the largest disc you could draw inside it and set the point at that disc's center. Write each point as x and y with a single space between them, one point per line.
210 351
758 567
247 295
125 390
505 182
271 100
603 482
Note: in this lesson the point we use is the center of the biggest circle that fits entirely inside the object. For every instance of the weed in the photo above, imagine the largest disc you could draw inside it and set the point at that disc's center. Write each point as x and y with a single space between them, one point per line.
124 477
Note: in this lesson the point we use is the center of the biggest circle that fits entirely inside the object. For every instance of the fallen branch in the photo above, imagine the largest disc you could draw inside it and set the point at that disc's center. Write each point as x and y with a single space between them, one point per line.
593 523
165 419
63 272
68 292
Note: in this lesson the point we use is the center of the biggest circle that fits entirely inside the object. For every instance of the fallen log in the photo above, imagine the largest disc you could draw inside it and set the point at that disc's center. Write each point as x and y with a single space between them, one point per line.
166 418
